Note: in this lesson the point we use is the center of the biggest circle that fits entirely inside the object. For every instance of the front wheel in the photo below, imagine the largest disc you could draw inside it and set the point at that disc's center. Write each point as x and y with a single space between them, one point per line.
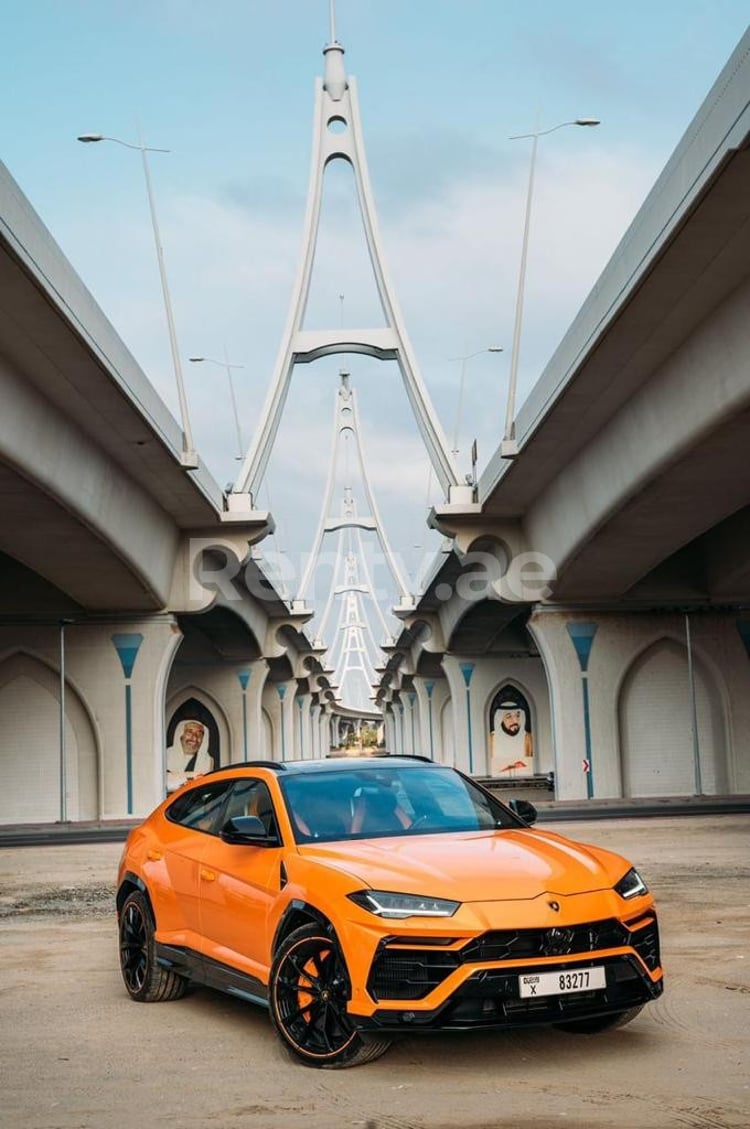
600 1022
145 980
309 989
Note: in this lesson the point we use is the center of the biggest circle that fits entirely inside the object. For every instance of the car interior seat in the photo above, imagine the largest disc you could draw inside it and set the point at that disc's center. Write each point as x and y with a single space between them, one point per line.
378 811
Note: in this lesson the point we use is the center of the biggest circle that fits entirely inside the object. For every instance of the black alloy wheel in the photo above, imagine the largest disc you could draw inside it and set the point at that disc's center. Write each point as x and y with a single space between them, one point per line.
309 992
145 980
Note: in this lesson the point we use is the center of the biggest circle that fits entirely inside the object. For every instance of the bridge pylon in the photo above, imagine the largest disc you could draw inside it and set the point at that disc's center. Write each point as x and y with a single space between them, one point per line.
337 135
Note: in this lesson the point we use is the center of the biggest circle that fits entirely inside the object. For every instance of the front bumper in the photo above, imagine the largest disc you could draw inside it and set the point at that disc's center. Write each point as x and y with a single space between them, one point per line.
476 984
489 998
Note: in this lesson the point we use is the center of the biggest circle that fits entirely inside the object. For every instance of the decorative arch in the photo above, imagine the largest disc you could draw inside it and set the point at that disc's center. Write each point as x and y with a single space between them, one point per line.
654 716
30 744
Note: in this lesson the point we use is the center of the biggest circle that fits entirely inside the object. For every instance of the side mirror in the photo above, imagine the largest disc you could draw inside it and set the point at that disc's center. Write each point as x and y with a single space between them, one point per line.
525 809
247 829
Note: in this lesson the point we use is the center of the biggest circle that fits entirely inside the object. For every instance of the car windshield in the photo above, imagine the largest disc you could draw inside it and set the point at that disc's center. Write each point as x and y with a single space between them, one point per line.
369 803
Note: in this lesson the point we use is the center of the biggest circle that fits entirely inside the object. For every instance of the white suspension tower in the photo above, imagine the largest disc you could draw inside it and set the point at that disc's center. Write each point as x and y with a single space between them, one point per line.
337 135
355 650
351 656
346 423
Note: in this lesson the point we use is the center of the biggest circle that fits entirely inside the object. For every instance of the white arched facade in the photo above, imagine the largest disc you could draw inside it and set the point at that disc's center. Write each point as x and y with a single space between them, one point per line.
30 746
657 746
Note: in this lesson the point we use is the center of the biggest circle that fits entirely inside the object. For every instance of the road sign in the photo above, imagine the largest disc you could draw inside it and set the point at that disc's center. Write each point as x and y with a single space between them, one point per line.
586 765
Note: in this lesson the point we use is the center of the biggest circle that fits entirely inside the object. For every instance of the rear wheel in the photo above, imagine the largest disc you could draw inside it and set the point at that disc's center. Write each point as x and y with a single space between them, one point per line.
600 1022
309 991
145 980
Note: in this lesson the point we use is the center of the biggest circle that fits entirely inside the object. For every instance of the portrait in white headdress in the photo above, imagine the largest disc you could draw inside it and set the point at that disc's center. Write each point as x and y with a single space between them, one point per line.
188 755
512 748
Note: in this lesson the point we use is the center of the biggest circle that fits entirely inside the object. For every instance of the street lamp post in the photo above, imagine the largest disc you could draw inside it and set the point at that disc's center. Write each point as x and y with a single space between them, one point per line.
189 458
509 445
226 364
459 406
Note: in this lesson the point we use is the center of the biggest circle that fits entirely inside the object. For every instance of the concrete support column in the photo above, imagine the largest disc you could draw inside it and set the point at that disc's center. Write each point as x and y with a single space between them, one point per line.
567 643
278 700
252 718
399 726
331 731
315 711
431 696
137 658
467 716
302 734
411 720
389 720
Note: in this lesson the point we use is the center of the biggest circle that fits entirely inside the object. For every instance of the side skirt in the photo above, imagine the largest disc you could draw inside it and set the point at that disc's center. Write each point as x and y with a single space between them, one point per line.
212 973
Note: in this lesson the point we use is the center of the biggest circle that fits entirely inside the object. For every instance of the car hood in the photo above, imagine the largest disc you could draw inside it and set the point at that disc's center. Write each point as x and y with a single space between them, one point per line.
475 866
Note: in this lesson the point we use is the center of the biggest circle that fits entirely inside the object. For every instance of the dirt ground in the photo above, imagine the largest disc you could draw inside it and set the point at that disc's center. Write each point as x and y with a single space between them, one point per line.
76 1053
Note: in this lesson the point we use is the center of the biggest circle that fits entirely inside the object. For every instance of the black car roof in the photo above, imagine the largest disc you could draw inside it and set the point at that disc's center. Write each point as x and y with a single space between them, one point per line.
333 764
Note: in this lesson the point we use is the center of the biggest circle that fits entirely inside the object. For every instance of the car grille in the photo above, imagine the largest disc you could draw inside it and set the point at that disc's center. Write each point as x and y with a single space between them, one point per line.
412 973
530 944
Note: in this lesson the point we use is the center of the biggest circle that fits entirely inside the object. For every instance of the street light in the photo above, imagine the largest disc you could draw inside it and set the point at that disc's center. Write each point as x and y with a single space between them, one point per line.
225 364
509 446
459 406
189 458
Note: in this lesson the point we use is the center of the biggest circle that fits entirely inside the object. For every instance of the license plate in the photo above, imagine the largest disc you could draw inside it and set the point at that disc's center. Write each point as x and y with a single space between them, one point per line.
560 983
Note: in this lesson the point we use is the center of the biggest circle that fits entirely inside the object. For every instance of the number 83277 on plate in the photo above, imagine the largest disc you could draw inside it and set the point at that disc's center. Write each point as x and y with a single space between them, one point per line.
560 983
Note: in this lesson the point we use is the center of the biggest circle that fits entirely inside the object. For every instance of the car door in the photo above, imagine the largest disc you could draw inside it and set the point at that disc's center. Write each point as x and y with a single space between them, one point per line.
239 885
173 866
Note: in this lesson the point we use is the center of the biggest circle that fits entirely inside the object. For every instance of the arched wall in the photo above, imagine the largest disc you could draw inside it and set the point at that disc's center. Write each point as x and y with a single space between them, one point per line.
30 745
618 642
656 728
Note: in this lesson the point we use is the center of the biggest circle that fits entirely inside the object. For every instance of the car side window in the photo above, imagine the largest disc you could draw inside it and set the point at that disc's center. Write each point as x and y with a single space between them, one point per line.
200 808
252 797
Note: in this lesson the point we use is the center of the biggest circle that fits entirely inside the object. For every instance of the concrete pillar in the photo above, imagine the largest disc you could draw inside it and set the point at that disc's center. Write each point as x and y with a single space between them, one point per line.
125 668
302 732
399 715
568 672
391 740
327 731
278 700
256 686
411 720
467 716
431 696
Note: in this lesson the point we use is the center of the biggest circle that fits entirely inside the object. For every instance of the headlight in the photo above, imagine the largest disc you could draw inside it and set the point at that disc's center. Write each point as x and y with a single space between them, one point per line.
631 885
384 904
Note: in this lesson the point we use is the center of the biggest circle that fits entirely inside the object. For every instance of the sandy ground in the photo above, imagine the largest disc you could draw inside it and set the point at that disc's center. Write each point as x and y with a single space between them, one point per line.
76 1053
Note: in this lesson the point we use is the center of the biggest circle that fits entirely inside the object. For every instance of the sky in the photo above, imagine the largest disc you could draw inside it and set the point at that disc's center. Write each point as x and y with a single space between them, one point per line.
227 87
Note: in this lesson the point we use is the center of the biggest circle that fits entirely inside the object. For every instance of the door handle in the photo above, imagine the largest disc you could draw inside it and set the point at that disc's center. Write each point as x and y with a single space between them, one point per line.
154 855
208 875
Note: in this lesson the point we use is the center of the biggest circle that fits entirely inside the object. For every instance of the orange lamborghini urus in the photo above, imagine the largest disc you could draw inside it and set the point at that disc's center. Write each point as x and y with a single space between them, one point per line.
361 899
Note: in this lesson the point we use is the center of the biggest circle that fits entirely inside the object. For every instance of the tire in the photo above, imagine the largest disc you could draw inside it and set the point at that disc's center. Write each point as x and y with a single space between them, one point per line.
145 980
309 989
600 1022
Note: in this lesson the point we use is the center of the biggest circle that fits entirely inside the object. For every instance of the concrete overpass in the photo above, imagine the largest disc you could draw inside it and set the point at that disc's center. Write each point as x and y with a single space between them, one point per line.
627 508
131 595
